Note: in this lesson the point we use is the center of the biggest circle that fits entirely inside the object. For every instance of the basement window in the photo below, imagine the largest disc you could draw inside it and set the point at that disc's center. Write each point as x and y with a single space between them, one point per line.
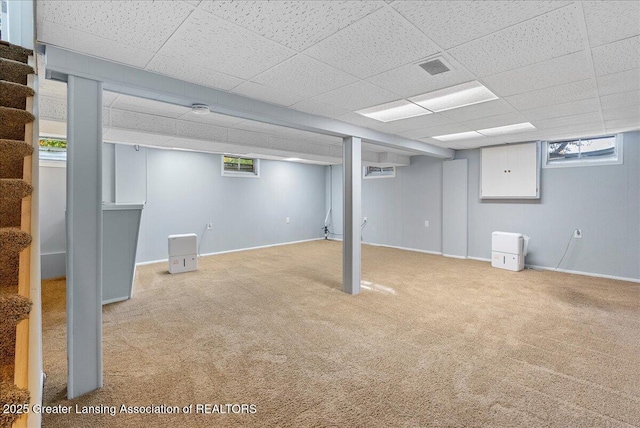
236 166
605 150
379 172
52 151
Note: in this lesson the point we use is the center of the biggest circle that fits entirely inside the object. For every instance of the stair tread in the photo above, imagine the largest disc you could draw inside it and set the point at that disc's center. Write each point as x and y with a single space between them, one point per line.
14 308
15 52
14 95
15 148
13 240
14 188
14 71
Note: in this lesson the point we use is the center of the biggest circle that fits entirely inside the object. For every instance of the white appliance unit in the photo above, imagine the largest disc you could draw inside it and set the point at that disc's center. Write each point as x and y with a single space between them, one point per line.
508 250
183 253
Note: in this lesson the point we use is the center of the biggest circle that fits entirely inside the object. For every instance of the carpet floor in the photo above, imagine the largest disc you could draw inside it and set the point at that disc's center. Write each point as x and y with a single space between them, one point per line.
430 342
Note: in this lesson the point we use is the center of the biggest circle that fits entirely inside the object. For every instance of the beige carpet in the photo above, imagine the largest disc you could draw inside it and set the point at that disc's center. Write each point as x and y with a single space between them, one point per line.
432 342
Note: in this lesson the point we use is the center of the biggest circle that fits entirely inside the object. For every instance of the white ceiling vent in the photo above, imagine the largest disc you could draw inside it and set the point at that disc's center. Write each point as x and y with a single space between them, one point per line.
436 66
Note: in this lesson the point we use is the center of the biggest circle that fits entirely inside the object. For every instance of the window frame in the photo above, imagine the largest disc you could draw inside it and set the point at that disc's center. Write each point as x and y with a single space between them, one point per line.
50 162
365 176
585 161
244 174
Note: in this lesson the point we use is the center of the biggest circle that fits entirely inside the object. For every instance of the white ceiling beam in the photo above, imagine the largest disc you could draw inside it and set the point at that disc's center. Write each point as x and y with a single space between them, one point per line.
125 79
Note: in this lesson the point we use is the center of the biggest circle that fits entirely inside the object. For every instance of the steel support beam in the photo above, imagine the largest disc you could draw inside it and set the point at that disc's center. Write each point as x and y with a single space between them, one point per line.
352 173
84 236
129 80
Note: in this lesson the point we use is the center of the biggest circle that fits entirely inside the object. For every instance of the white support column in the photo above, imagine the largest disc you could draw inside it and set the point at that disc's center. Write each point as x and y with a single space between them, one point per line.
84 235
352 173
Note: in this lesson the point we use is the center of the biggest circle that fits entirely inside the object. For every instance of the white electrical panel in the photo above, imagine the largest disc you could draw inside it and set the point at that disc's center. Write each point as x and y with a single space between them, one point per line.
183 253
508 250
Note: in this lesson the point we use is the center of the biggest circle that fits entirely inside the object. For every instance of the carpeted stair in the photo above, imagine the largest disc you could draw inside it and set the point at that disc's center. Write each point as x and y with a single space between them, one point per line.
14 229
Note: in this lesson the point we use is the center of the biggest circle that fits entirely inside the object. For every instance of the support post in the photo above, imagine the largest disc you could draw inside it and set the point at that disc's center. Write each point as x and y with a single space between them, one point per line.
352 173
84 235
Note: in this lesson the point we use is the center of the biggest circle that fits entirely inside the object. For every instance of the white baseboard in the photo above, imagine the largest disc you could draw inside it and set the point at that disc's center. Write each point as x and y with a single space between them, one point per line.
236 250
454 256
575 272
416 250
480 259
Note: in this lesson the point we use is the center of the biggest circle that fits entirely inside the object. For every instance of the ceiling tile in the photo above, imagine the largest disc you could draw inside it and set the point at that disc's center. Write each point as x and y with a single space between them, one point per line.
143 105
153 24
134 137
419 122
356 96
628 80
411 79
555 95
52 128
201 131
452 23
495 121
318 108
565 121
573 131
617 56
296 24
53 88
622 125
52 108
608 21
553 72
216 44
211 118
142 122
477 111
622 99
622 113
266 93
108 98
563 109
186 70
548 36
377 43
82 42
304 76
240 136
450 128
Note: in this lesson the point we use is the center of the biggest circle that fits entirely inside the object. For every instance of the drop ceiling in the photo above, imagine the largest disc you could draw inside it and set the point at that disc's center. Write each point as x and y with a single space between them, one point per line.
571 69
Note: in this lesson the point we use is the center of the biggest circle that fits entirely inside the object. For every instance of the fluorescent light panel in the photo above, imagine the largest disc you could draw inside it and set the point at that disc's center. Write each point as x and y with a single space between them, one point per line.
462 95
458 136
394 110
508 129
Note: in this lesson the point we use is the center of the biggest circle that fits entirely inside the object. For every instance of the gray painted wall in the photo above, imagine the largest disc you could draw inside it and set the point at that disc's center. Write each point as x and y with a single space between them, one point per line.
603 201
186 191
53 200
396 208
454 208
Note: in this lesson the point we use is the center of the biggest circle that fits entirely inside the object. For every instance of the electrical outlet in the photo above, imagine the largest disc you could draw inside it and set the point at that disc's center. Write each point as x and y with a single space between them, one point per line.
577 234
288 220
426 223
365 219
209 226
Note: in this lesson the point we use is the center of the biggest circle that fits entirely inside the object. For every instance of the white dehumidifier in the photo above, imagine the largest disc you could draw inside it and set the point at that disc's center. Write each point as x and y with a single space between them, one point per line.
183 253
508 250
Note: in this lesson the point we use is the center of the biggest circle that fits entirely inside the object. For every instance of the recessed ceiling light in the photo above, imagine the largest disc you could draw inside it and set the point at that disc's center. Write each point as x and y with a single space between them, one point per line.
508 129
200 109
394 110
458 136
462 95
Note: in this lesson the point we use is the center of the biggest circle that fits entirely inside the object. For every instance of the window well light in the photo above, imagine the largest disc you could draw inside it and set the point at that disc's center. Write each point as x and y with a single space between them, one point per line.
462 95
458 136
394 110
508 129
